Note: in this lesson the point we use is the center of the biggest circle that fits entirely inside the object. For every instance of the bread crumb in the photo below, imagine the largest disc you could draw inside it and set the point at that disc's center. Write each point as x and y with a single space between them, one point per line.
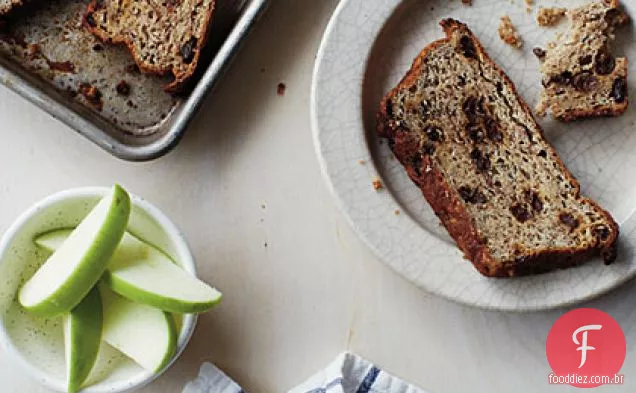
377 184
33 49
541 109
280 90
529 4
508 33
467 2
550 16
539 52
397 212
59 66
92 94
362 162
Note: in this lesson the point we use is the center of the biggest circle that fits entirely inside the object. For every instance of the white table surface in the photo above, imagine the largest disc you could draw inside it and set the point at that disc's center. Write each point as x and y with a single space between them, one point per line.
245 187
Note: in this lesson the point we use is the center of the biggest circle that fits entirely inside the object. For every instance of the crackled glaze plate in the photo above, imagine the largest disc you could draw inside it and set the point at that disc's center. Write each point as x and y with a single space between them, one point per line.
368 46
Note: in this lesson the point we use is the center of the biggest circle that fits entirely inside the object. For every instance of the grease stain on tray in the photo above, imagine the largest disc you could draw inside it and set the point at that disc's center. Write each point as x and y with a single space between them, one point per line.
50 42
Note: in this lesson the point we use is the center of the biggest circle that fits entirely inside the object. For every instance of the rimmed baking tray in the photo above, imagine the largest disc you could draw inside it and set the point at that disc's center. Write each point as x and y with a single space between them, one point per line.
47 57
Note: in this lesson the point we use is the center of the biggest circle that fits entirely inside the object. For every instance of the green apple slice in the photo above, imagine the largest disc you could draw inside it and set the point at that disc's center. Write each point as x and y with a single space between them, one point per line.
146 275
82 338
143 333
70 273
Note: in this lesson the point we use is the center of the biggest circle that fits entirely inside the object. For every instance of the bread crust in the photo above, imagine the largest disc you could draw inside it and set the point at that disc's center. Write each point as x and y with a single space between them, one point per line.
583 114
180 78
447 204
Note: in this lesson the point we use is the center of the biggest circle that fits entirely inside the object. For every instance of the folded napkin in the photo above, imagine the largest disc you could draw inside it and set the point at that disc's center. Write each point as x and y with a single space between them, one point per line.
212 380
348 373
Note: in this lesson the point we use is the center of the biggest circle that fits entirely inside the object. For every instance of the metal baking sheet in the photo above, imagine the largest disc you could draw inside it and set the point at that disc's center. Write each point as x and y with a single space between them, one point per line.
50 59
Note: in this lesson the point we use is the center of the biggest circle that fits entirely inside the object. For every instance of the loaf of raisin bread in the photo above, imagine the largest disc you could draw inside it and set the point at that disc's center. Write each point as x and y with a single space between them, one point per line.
581 77
471 144
164 37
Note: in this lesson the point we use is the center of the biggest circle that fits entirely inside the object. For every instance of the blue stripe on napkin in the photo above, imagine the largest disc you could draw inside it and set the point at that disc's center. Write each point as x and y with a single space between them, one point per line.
369 380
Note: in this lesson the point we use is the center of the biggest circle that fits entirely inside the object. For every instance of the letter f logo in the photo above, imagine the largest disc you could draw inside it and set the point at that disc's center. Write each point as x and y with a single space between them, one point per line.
583 344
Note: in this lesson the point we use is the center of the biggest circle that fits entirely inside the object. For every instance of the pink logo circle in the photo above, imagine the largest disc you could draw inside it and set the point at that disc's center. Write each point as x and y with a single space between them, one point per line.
586 348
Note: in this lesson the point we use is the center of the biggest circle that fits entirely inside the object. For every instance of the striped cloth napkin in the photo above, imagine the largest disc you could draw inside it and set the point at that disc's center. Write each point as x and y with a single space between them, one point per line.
348 373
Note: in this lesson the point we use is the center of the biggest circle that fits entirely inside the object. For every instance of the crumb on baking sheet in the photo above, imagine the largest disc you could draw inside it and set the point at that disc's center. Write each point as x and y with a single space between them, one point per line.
280 90
508 33
362 162
92 94
377 184
61 66
33 49
550 16
397 212
467 2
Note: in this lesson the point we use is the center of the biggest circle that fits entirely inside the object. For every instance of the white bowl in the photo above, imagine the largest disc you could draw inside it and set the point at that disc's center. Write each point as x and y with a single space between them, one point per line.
37 343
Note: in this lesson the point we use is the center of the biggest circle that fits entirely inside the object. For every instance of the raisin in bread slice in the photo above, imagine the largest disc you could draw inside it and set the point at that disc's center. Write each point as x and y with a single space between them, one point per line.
163 36
472 145
581 77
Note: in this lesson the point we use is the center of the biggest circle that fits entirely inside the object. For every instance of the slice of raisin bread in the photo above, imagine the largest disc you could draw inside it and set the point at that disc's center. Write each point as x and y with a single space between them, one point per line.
472 145
581 77
163 36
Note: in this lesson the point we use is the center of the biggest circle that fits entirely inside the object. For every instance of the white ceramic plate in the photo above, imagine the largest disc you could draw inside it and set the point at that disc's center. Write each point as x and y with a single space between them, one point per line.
368 46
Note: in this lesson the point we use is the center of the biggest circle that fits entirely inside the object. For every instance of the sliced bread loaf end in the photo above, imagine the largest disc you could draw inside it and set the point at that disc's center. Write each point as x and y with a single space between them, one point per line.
164 37
471 144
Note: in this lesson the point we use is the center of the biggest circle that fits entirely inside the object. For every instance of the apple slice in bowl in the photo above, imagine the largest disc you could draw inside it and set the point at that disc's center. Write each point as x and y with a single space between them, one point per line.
82 339
74 269
145 274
